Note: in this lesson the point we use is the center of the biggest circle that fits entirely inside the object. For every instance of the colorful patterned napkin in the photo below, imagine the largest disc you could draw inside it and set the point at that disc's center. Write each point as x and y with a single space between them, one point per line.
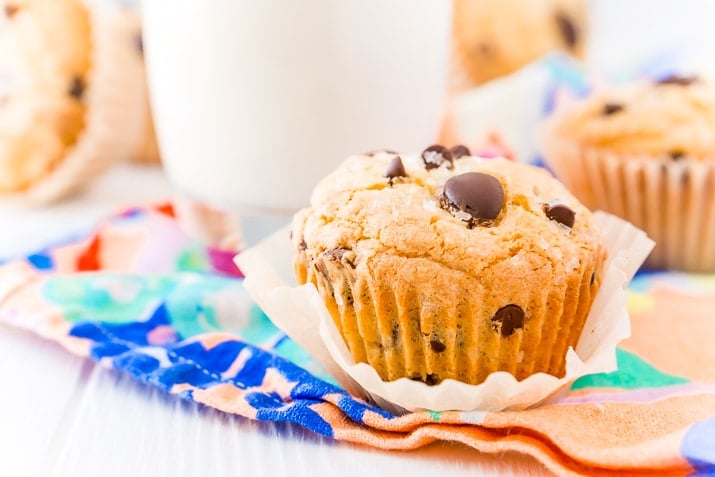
139 296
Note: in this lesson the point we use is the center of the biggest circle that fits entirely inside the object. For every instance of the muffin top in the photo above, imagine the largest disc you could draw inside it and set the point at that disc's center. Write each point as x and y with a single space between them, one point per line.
464 213
671 118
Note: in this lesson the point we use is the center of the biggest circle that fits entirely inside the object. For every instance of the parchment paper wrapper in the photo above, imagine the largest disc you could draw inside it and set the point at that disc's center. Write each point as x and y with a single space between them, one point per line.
301 314
115 118
672 201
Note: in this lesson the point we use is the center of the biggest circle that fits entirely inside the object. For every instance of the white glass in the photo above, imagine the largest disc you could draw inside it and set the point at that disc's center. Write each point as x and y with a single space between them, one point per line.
256 100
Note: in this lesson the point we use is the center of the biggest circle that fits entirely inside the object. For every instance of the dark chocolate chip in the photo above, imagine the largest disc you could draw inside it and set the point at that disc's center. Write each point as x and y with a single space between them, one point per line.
432 379
395 169
77 88
436 155
593 278
338 254
460 151
509 319
568 29
612 108
11 10
561 214
139 43
302 245
676 155
677 80
473 197
429 380
437 346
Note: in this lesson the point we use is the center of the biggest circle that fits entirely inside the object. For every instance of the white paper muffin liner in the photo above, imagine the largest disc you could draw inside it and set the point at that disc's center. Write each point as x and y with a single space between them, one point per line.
115 115
673 201
300 313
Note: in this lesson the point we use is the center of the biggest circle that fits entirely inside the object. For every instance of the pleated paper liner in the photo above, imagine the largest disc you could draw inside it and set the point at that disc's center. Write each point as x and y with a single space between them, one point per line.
114 111
673 201
419 331
301 313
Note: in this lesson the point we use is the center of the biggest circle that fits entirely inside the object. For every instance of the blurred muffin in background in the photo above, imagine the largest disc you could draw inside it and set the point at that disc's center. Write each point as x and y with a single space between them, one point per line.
493 38
645 151
73 95
45 65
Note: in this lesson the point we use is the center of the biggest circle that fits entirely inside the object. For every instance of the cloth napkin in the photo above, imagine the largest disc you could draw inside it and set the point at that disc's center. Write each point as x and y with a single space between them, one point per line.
139 296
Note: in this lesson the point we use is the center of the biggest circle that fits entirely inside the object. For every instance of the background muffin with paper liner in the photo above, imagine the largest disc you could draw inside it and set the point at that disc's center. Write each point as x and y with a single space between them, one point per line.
448 269
74 94
494 38
645 151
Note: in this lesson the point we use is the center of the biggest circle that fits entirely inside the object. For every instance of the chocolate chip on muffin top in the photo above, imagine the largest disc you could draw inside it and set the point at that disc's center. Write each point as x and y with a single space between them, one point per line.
473 197
395 169
560 213
460 151
436 155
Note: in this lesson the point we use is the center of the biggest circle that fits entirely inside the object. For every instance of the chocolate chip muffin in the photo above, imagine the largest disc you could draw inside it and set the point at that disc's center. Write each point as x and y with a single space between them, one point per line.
645 152
448 266
45 65
73 97
493 38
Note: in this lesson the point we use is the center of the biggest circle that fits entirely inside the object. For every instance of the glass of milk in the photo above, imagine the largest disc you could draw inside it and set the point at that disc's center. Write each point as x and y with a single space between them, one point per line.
256 100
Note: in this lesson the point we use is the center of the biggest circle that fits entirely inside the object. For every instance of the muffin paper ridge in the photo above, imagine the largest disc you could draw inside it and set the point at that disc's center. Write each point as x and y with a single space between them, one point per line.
300 313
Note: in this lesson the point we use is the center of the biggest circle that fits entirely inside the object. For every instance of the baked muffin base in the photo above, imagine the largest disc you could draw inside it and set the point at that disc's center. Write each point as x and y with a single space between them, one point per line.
445 328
